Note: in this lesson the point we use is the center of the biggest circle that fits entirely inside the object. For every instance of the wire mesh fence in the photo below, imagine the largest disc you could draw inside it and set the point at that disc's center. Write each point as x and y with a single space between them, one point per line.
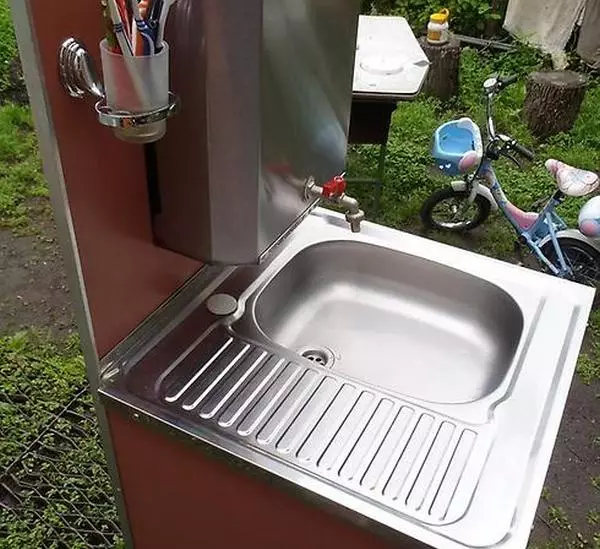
57 492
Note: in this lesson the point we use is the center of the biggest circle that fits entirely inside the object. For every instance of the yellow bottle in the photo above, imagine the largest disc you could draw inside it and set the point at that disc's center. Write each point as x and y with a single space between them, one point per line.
438 29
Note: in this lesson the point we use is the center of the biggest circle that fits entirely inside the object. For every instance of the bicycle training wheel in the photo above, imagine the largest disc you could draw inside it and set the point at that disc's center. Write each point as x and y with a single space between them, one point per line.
450 210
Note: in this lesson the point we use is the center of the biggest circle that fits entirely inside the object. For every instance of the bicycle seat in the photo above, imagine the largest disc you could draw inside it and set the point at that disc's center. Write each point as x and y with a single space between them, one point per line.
572 181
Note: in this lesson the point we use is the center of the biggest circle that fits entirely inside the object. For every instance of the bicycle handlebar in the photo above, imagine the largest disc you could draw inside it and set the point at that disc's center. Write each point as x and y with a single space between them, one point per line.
492 86
523 151
507 81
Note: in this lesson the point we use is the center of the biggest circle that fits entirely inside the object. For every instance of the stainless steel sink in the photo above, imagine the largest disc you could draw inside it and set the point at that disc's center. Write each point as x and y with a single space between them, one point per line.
414 387
393 320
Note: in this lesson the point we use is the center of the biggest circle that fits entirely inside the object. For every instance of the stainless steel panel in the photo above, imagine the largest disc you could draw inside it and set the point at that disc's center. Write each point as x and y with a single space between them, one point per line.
232 384
436 461
322 434
266 90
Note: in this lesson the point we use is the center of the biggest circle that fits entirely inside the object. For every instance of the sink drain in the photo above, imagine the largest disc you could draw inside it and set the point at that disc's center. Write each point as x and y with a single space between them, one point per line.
319 355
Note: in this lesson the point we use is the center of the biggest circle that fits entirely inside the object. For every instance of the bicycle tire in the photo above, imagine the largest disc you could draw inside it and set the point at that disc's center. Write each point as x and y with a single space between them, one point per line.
482 205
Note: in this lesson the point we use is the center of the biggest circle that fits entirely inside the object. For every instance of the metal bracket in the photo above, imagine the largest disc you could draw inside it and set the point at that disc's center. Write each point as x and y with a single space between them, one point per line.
121 119
77 70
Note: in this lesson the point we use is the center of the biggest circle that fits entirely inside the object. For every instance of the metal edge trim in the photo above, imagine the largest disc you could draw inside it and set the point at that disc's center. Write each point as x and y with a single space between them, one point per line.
32 70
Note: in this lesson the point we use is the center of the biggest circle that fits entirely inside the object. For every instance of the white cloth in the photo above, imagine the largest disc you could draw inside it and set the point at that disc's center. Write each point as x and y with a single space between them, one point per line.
544 23
589 39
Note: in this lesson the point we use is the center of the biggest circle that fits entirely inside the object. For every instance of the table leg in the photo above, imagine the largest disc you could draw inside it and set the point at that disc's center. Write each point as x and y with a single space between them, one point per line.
380 178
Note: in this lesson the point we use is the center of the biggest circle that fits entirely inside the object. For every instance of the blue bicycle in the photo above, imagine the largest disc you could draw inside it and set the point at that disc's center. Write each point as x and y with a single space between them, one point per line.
458 148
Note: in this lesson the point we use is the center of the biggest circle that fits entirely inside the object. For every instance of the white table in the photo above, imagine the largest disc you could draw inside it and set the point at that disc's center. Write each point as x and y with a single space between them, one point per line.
390 63
390 67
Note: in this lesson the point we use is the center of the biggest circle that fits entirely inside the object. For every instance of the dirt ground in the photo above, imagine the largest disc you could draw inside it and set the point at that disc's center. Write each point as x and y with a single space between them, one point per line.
33 286
34 294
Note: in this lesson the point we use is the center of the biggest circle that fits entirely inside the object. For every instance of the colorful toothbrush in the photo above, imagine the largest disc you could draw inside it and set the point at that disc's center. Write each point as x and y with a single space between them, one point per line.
143 30
119 29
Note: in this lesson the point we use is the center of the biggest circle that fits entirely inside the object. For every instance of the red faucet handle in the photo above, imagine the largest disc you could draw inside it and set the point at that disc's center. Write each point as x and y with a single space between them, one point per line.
335 187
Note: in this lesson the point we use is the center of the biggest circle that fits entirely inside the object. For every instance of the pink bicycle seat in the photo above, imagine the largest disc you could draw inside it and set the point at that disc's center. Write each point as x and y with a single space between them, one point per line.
572 181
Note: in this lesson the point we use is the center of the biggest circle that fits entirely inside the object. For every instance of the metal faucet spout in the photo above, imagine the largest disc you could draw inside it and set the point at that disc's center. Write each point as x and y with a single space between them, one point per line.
334 192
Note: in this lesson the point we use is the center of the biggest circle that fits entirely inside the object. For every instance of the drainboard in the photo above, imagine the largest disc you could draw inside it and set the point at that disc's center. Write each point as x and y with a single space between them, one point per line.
381 448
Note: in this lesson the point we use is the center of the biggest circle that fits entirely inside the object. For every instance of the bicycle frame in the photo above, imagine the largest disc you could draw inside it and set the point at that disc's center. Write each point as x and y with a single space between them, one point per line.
531 228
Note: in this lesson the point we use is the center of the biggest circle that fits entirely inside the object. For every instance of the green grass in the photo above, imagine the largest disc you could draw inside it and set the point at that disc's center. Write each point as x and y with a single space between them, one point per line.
558 517
21 179
8 45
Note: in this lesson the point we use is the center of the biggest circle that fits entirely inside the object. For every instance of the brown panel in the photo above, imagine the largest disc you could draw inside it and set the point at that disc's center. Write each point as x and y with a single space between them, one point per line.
178 497
126 276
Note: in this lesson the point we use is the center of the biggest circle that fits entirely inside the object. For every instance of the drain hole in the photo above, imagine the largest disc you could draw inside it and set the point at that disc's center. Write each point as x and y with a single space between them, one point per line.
321 356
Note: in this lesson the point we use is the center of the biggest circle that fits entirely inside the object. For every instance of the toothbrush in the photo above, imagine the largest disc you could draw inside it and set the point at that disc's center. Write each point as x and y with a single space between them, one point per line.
143 7
124 16
127 51
163 21
118 28
154 16
142 28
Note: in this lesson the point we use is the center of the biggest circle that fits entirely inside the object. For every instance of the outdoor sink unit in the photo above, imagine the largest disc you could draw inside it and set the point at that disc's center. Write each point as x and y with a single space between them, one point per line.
397 378
317 381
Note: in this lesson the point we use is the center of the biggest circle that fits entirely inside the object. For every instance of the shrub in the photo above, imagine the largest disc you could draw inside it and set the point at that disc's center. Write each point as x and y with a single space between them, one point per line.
467 16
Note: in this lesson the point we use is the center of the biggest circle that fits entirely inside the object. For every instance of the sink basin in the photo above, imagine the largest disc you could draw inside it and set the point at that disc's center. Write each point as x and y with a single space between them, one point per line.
393 320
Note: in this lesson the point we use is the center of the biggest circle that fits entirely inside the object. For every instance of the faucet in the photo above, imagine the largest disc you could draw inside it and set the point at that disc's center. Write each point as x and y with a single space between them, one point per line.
334 192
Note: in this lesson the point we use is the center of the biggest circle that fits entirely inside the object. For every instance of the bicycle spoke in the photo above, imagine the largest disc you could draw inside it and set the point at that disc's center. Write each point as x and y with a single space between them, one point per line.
453 213
584 268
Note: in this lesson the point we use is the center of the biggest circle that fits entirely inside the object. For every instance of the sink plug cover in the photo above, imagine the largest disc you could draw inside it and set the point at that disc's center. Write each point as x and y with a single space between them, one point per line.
222 304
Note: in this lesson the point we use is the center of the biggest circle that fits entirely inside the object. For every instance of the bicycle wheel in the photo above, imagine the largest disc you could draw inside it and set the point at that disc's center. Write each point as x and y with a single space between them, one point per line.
583 259
450 210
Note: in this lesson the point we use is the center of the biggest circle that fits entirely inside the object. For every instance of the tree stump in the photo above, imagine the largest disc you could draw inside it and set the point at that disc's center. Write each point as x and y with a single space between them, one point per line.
553 101
493 26
443 77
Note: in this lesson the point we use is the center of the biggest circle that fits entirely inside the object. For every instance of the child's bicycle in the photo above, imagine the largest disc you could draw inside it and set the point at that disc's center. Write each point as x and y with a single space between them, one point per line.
458 149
